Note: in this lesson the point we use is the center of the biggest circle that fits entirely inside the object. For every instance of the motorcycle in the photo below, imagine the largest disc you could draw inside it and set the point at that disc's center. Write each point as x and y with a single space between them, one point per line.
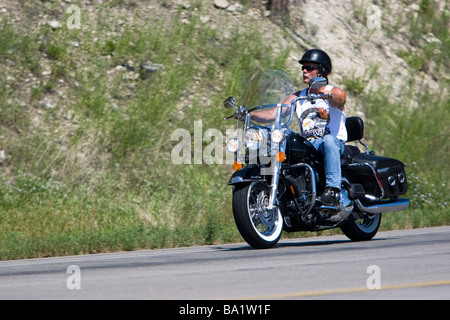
278 173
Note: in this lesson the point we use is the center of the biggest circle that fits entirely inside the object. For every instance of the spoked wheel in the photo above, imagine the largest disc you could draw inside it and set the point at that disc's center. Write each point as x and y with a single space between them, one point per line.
258 225
362 228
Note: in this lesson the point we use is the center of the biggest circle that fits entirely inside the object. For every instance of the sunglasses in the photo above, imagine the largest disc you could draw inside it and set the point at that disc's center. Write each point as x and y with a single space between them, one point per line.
309 68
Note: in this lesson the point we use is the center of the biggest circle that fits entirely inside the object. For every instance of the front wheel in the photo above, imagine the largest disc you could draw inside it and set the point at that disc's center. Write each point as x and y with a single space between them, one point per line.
362 228
258 225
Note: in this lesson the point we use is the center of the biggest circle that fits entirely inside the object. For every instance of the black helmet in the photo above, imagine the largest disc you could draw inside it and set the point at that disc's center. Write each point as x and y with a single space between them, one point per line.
317 56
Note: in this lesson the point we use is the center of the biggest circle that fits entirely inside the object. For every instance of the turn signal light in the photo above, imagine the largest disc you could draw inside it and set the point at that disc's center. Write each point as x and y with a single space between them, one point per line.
281 156
237 165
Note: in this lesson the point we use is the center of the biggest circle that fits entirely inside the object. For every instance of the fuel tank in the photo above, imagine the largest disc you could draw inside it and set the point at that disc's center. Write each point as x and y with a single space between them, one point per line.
299 149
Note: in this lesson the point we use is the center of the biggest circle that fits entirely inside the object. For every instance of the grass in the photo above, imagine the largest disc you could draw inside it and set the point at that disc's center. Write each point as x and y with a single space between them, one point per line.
93 173
412 128
422 142
88 144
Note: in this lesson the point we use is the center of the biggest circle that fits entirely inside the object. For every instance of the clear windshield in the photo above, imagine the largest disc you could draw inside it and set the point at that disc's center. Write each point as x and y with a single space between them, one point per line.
267 87
265 90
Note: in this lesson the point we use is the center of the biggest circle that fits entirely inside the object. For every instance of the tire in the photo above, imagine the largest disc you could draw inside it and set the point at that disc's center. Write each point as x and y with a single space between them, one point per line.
259 227
362 229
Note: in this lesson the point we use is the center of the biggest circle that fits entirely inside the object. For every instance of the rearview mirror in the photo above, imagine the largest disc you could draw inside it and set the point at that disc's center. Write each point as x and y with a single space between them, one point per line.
318 82
229 103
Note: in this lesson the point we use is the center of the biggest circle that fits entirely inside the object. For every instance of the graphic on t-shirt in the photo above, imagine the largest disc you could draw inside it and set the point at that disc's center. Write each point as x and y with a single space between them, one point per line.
314 122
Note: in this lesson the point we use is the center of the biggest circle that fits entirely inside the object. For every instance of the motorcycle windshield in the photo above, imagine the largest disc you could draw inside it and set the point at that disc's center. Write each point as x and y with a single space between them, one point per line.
265 90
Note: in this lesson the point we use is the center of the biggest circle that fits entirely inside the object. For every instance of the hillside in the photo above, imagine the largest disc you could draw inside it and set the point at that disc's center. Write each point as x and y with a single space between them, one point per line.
91 93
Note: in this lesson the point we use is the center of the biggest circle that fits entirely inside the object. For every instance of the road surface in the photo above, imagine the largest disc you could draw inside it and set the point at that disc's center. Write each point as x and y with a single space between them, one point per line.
402 264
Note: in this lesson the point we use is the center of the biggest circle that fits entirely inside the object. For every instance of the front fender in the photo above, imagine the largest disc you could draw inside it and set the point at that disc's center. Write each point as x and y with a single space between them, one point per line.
247 174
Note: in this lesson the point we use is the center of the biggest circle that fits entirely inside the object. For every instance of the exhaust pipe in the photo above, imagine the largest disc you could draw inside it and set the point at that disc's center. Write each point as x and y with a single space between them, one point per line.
386 206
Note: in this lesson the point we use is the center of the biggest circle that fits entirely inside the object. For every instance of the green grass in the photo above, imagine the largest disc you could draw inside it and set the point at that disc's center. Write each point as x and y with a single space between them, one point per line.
413 128
102 179
419 136
93 173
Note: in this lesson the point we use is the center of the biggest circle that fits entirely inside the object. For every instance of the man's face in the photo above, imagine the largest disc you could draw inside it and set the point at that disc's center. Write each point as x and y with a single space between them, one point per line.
309 70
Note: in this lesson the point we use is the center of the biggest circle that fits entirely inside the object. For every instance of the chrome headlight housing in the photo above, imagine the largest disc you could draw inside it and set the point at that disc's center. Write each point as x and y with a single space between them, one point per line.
233 145
278 136
254 138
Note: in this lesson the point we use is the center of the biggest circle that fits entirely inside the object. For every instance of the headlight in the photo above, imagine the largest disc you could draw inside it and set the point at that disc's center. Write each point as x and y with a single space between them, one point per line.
277 136
254 138
233 145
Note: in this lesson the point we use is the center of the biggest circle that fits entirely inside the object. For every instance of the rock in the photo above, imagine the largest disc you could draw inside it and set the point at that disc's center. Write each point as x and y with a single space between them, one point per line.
148 67
237 7
221 4
2 157
68 115
129 65
414 7
182 3
55 24
74 44
48 105
231 8
204 19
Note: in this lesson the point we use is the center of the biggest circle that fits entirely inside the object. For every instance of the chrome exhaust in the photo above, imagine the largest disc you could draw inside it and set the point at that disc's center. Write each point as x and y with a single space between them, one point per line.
385 206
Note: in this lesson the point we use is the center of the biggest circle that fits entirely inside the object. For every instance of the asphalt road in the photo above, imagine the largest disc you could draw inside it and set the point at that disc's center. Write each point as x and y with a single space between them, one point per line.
404 264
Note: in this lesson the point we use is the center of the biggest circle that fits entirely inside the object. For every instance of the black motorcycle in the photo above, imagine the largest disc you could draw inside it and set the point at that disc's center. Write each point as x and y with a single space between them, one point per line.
278 173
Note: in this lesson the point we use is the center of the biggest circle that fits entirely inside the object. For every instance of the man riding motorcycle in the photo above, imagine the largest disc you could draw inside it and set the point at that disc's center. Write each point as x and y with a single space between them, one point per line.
322 122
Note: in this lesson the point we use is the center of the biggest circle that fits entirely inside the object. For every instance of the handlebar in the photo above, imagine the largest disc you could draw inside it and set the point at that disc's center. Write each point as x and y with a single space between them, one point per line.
310 97
227 118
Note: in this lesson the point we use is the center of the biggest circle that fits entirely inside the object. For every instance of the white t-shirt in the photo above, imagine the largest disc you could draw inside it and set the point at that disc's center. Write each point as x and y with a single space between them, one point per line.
319 119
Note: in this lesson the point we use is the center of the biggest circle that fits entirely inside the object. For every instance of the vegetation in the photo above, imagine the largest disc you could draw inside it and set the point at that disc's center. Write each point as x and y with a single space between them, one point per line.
86 130
413 126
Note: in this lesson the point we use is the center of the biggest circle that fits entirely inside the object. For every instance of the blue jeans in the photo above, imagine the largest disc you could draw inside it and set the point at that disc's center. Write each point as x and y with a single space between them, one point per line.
332 150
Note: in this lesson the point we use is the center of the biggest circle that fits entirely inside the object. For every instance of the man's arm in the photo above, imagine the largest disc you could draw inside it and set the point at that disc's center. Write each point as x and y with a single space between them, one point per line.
267 116
264 116
338 99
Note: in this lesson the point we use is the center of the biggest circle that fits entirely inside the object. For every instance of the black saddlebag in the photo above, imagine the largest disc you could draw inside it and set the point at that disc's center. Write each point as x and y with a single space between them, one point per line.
381 177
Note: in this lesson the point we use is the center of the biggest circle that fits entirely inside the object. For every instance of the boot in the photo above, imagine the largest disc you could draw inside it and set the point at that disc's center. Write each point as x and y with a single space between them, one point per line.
330 197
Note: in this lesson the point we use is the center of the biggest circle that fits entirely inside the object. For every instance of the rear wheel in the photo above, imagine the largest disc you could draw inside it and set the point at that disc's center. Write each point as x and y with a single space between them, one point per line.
361 228
258 225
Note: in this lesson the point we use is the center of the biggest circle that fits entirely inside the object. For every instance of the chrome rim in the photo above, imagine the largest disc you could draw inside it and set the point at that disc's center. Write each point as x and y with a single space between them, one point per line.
267 223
